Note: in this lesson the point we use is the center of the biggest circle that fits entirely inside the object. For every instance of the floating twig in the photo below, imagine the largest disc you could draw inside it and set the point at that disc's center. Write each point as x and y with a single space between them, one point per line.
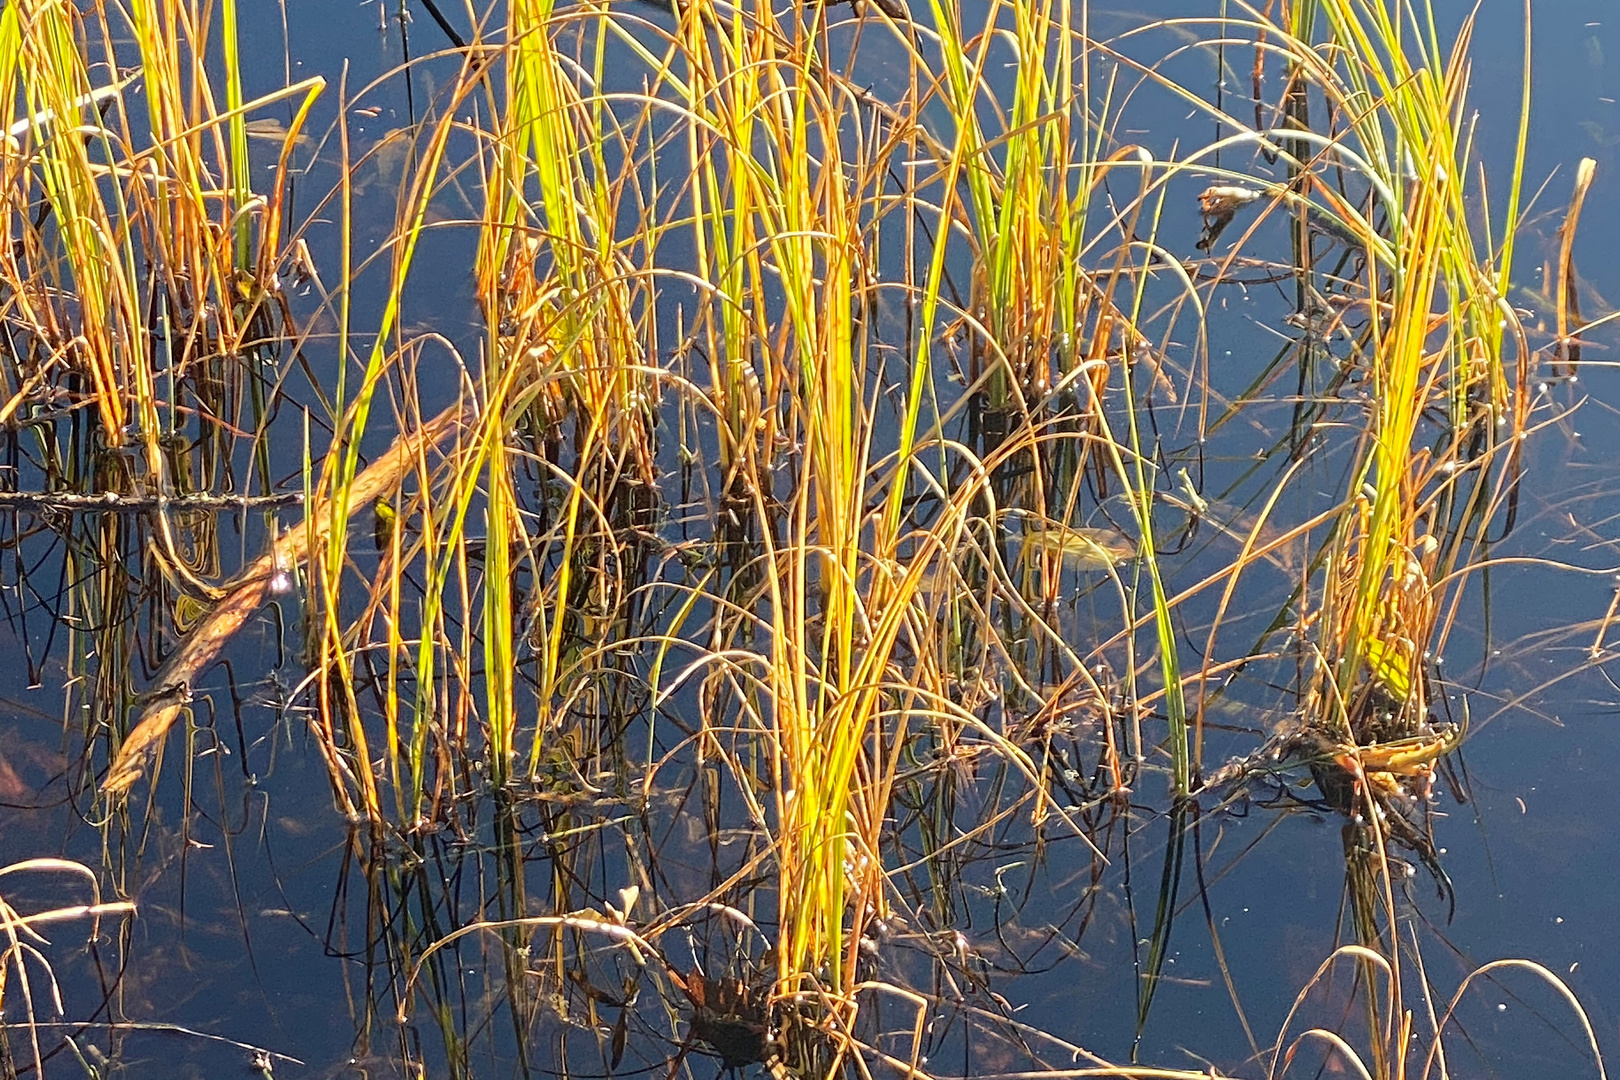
250 589
112 502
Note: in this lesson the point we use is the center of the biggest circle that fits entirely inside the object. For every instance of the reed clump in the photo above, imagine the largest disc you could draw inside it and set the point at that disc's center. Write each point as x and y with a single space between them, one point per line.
828 463
141 289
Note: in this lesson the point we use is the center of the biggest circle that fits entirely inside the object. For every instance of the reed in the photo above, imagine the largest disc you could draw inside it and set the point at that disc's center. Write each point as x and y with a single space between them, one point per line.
24 966
334 480
136 288
835 623
775 196
1440 337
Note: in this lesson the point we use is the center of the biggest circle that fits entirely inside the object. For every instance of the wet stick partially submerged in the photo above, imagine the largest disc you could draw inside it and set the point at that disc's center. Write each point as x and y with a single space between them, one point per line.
244 595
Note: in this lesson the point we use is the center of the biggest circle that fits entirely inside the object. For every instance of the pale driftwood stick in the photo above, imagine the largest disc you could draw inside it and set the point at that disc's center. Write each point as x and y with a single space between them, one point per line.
250 589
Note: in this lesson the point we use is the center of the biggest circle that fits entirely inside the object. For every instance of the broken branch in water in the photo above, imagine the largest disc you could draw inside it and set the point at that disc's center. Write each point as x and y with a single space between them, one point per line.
250 589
